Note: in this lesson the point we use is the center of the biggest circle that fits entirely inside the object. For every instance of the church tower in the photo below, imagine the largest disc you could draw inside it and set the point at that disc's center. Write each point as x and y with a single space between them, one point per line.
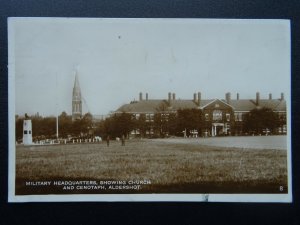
76 100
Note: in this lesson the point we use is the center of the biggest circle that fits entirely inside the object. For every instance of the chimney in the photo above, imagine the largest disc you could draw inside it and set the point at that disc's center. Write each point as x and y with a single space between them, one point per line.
228 98
195 97
174 96
257 99
141 96
199 98
146 96
270 96
169 97
237 96
282 97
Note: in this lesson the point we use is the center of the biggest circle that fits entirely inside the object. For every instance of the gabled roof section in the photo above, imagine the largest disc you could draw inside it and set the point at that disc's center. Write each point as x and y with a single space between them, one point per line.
205 102
217 101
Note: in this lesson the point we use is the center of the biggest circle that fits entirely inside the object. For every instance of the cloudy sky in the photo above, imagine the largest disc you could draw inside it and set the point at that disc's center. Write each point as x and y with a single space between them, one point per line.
117 58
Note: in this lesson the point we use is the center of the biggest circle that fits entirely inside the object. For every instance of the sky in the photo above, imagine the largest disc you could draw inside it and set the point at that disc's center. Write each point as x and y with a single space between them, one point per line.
116 59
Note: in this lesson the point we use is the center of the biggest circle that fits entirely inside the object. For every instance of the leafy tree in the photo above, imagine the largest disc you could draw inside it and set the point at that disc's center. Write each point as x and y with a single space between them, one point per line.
141 124
158 123
43 126
19 128
260 119
86 123
64 125
124 123
118 125
100 128
189 119
160 120
173 124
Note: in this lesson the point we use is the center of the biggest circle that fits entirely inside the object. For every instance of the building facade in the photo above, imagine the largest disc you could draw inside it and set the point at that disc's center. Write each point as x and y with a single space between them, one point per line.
220 117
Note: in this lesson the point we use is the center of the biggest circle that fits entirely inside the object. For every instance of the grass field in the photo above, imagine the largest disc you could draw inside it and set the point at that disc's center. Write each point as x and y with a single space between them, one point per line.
171 167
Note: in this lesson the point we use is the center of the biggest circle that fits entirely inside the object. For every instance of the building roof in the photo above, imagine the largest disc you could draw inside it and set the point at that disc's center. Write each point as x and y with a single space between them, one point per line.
275 104
183 104
141 106
243 104
152 106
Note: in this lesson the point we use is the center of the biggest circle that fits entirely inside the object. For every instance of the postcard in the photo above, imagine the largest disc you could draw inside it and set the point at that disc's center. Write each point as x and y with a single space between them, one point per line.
119 109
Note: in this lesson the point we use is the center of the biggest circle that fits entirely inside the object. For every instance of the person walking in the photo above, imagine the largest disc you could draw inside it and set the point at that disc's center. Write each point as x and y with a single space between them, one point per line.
107 140
123 140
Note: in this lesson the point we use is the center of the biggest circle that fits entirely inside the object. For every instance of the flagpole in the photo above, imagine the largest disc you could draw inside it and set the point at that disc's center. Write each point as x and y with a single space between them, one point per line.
56 111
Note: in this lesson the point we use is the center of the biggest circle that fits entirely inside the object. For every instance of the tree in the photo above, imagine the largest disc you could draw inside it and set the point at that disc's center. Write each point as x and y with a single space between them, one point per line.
260 119
118 125
172 124
83 126
19 128
43 126
87 123
124 123
141 124
100 128
64 125
160 120
189 119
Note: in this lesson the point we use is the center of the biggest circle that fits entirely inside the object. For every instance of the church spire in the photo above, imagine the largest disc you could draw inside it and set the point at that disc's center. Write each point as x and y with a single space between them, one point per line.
76 83
76 100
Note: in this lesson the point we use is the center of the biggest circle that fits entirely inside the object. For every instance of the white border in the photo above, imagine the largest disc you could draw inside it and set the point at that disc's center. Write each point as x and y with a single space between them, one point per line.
283 198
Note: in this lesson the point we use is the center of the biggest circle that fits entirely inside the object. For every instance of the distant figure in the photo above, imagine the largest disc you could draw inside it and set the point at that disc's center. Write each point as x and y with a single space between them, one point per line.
107 140
184 133
123 140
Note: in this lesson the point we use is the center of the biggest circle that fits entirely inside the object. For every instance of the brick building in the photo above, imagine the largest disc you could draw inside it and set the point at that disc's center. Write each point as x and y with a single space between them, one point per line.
219 116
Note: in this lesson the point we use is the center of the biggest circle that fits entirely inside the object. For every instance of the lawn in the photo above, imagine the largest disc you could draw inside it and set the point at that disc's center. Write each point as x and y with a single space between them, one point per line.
168 167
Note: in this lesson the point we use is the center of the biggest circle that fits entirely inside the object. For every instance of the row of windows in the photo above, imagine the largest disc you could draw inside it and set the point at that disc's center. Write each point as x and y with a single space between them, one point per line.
149 116
217 115
27 132
238 116
282 115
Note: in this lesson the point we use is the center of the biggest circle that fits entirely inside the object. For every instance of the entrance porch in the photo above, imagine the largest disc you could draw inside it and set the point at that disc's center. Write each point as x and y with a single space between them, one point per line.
218 129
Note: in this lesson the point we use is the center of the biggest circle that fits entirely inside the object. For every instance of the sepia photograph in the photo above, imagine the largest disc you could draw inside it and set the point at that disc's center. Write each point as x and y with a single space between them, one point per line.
115 109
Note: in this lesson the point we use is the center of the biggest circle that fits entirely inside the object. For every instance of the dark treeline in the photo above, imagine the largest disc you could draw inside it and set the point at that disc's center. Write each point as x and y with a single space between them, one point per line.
258 120
45 127
160 125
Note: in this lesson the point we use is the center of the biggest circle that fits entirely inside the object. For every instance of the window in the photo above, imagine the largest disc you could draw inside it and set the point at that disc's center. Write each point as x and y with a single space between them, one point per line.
147 117
228 117
164 116
217 115
238 116
29 132
282 116
25 131
151 117
206 117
